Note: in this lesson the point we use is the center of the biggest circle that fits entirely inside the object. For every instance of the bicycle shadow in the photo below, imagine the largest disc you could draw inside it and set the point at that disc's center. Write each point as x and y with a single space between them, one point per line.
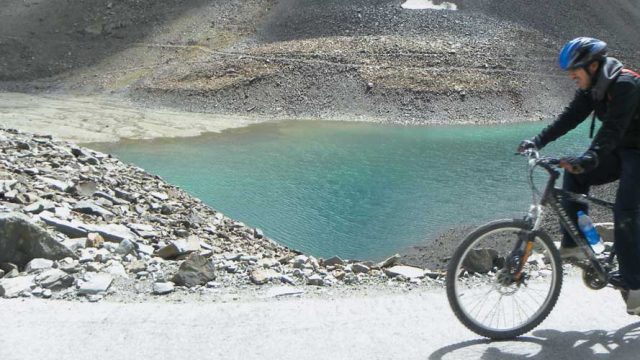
622 344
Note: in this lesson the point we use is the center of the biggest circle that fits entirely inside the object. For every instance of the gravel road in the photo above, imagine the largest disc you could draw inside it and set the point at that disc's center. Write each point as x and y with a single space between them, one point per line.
584 325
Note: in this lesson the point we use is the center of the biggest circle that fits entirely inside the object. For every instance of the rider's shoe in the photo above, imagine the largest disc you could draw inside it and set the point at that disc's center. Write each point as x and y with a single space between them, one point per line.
616 280
633 302
572 253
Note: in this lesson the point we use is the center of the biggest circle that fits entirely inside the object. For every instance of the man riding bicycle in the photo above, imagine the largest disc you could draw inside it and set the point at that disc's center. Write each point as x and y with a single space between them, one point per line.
613 94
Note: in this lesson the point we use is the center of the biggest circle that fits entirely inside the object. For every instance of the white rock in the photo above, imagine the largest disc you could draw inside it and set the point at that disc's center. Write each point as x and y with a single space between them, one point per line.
12 287
162 288
38 264
97 284
406 271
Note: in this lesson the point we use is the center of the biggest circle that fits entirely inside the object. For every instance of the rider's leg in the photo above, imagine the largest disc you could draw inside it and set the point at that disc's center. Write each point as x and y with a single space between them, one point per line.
627 219
607 171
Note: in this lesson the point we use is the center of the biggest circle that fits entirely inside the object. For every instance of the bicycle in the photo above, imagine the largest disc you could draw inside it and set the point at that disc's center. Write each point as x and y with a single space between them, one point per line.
505 277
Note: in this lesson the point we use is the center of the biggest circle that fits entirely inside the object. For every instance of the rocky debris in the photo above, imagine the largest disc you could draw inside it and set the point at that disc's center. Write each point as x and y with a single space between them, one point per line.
98 227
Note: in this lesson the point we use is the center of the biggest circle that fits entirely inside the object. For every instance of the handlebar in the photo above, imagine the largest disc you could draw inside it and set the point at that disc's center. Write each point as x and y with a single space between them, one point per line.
548 163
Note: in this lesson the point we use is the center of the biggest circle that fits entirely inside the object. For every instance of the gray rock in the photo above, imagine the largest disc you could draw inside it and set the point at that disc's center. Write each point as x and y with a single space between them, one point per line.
38 264
75 244
112 199
360 268
316 280
406 271
145 249
62 212
116 269
333 261
39 206
390 261
96 284
159 195
90 208
56 184
46 293
70 266
7 185
12 287
179 247
86 188
262 276
480 260
111 232
162 288
1 273
125 195
54 279
136 266
22 240
125 247
196 270
72 229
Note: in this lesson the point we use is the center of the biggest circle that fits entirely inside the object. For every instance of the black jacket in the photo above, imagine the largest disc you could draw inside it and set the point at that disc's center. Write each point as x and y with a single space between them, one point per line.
615 98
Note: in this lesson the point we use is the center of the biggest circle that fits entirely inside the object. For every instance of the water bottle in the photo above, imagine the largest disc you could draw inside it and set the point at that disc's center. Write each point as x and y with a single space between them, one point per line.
586 226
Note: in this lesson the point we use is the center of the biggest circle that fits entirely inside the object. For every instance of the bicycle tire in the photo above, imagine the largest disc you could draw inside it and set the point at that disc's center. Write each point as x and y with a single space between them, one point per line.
544 248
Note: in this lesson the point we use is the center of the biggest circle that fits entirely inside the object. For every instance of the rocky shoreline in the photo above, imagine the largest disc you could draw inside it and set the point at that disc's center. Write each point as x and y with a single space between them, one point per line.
77 224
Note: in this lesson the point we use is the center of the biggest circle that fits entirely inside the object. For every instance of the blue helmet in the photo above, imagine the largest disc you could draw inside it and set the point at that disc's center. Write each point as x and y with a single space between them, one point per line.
581 52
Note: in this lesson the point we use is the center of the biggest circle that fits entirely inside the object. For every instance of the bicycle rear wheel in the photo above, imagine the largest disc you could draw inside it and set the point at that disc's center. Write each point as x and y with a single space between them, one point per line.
481 288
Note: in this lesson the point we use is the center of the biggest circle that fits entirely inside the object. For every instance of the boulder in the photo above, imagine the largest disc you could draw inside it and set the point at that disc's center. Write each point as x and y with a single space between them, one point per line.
480 260
196 270
22 240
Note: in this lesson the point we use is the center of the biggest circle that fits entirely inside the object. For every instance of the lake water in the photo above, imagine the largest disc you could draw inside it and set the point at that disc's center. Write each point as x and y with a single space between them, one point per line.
356 190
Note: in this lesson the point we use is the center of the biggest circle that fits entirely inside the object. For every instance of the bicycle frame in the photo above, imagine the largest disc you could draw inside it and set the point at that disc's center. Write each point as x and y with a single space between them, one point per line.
552 197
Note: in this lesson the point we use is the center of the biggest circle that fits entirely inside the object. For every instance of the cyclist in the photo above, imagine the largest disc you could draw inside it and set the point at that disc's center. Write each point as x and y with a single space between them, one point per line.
613 94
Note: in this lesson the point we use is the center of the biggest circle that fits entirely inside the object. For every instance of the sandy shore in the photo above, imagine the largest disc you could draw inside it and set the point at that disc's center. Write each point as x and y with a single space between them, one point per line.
86 119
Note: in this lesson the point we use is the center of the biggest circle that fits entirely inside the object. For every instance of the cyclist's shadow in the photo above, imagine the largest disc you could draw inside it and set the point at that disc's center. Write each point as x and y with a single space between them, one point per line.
551 344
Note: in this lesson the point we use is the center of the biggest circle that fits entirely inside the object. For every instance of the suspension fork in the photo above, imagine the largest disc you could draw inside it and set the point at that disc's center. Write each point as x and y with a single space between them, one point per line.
526 237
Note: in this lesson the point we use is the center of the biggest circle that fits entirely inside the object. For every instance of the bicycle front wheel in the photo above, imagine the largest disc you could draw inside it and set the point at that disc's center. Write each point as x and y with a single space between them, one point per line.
483 291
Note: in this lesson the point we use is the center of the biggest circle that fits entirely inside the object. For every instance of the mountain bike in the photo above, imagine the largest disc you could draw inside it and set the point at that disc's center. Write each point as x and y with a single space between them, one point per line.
505 277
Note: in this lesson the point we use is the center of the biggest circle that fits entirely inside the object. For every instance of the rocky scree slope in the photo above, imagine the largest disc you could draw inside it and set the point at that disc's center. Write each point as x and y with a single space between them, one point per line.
75 223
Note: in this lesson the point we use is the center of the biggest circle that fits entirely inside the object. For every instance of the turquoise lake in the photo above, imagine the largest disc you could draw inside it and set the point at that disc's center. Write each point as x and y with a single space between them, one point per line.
356 190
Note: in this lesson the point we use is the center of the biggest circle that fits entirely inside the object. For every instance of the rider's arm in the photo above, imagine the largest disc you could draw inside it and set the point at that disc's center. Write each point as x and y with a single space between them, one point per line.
572 116
624 99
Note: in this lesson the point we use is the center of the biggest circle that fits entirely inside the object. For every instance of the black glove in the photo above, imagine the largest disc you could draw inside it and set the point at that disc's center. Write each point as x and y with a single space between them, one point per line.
526 145
580 164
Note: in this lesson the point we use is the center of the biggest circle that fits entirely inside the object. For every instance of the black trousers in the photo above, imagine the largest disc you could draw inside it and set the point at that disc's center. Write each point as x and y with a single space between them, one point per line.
623 164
